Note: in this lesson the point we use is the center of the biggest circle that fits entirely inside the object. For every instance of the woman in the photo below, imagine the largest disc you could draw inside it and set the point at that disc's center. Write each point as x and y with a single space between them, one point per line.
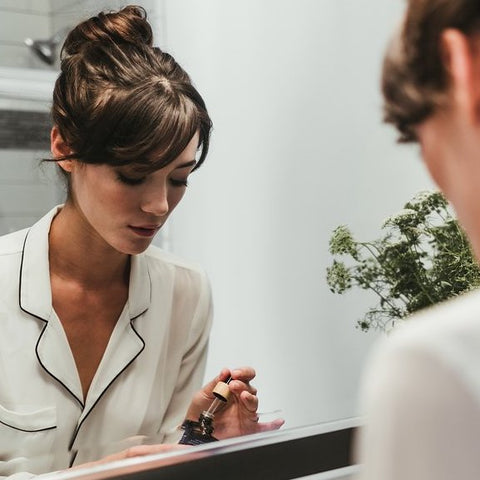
104 337
422 388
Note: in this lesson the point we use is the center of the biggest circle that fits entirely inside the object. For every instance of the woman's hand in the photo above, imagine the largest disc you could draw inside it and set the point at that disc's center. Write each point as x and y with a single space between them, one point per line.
135 451
239 415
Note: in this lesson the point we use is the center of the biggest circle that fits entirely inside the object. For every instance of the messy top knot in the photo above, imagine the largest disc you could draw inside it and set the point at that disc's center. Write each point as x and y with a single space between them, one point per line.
118 99
126 26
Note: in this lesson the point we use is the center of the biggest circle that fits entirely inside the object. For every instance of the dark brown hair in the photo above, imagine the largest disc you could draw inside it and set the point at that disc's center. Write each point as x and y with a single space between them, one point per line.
118 98
415 80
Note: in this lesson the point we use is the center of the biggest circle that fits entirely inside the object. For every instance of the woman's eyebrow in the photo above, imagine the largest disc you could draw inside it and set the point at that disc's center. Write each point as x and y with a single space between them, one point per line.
191 163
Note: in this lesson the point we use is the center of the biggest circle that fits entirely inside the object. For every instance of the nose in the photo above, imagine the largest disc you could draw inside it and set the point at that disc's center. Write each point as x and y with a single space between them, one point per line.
156 201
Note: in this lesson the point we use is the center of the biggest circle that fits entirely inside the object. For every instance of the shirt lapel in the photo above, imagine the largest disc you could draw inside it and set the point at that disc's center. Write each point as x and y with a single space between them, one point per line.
53 350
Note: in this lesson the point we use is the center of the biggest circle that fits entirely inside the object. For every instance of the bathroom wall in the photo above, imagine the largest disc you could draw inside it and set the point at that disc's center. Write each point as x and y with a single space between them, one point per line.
27 190
20 19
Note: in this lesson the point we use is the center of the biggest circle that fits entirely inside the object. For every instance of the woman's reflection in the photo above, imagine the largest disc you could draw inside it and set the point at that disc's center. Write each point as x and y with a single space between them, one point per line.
104 336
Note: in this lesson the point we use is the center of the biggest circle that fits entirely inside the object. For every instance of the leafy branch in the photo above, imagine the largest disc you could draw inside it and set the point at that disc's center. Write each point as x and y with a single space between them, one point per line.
422 258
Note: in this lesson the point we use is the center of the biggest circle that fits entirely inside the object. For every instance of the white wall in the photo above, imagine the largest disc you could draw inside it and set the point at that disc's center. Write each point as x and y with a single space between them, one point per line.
298 148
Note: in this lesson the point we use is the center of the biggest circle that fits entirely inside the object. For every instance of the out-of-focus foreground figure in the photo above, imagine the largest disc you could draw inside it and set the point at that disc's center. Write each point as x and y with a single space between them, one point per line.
421 390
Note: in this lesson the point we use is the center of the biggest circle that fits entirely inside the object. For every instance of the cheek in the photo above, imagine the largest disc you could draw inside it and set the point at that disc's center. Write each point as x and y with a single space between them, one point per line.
99 192
175 196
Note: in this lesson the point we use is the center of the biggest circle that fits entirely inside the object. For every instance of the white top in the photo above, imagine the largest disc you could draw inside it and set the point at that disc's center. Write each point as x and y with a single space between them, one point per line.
153 363
421 395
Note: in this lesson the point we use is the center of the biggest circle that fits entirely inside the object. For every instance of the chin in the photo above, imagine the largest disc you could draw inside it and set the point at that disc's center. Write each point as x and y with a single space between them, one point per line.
132 248
137 250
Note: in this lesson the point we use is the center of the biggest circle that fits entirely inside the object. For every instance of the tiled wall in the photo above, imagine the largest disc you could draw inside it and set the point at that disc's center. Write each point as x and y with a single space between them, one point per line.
21 19
27 190
41 19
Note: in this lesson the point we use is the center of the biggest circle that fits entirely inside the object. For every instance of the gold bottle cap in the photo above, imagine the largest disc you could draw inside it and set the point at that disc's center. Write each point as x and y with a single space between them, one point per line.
221 391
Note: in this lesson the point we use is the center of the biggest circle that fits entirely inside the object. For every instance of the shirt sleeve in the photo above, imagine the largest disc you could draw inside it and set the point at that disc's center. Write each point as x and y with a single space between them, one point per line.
192 370
422 422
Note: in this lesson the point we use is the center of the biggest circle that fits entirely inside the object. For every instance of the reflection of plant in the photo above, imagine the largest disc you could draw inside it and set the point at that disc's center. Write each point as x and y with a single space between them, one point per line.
423 258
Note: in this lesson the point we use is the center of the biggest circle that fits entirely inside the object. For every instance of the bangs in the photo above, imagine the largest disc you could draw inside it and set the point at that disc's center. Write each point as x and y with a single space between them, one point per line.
147 127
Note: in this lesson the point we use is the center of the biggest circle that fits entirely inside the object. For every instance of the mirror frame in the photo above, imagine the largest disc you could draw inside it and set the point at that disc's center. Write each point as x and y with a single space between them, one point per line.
325 449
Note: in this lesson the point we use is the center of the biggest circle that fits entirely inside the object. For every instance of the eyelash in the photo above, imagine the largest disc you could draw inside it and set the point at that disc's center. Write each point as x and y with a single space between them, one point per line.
179 183
129 180
138 181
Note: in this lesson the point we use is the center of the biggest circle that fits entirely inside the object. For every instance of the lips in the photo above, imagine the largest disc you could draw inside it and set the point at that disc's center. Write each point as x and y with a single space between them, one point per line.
145 230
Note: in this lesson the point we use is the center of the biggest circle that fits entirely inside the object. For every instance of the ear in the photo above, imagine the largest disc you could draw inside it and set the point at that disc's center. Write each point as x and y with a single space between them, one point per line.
60 149
462 64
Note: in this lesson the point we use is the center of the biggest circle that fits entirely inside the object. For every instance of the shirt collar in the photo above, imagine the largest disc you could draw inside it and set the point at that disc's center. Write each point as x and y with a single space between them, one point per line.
35 292
140 287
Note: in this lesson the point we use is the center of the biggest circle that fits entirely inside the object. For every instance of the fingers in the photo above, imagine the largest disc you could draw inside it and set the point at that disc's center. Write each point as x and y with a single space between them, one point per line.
141 450
221 377
249 401
241 378
136 451
245 374
268 426
242 374
237 387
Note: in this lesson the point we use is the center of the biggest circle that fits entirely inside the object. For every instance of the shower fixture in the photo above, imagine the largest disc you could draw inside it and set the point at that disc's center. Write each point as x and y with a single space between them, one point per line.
46 50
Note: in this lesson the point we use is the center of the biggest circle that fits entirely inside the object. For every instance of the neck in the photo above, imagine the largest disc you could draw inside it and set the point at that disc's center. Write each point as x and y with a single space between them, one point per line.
79 254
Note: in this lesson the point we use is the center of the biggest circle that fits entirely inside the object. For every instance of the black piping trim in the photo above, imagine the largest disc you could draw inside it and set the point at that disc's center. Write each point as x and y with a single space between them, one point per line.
53 376
29 431
46 369
45 326
72 458
74 437
20 273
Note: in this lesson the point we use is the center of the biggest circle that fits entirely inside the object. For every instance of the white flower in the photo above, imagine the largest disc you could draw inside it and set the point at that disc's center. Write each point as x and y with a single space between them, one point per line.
422 196
402 215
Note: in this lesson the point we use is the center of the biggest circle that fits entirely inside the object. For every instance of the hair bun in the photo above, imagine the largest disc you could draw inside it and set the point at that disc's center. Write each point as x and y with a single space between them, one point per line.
127 26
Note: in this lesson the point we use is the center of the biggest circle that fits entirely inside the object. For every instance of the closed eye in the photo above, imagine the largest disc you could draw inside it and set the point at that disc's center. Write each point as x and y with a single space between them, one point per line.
130 180
179 183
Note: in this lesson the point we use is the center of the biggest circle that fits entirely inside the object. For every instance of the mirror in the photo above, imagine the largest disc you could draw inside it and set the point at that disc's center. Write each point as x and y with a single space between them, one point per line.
298 148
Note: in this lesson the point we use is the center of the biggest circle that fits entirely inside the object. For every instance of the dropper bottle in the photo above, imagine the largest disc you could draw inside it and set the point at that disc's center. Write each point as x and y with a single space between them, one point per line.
196 433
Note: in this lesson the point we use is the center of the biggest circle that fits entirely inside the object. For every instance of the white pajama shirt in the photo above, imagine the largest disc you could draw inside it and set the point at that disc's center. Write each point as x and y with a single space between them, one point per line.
154 361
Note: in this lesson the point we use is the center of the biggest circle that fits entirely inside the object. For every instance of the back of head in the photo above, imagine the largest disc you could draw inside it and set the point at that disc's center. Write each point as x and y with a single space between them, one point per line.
415 80
118 98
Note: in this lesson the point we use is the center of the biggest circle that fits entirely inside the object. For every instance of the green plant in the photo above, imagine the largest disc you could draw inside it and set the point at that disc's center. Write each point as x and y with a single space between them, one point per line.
422 258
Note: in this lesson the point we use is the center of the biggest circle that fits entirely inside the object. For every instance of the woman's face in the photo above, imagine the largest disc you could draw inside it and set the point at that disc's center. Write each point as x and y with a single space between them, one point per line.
125 209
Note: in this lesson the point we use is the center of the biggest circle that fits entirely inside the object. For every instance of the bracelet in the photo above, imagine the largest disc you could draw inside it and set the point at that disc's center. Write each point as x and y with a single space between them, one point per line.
188 424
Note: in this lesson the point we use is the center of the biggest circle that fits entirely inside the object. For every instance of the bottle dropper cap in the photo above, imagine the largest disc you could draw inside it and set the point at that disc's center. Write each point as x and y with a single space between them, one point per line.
221 390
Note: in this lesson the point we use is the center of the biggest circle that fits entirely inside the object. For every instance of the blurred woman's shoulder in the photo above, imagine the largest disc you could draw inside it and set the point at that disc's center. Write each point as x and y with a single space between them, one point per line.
446 337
